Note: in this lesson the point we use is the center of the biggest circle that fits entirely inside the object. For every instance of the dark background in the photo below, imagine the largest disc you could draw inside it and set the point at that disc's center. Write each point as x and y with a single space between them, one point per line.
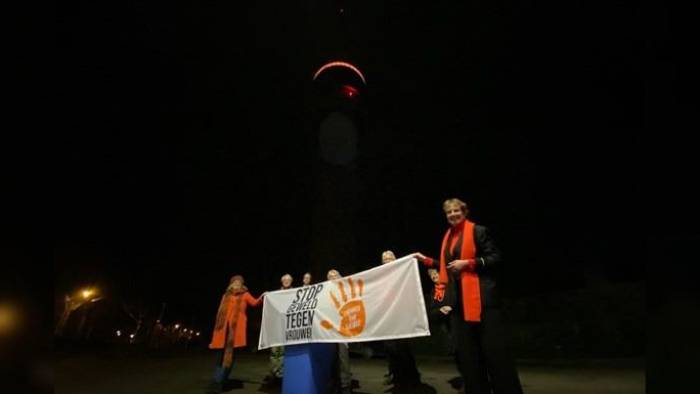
191 151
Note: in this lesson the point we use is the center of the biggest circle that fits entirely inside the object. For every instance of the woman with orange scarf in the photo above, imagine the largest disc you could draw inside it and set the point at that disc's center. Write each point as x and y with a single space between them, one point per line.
468 260
230 328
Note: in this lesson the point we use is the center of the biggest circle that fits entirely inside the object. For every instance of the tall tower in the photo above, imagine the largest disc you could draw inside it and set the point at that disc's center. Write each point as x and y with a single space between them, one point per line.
338 121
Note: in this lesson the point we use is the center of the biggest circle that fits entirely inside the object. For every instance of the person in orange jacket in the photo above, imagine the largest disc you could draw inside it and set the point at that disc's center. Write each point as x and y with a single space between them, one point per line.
230 329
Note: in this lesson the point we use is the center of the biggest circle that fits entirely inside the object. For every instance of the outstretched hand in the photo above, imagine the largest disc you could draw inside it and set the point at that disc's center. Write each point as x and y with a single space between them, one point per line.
420 256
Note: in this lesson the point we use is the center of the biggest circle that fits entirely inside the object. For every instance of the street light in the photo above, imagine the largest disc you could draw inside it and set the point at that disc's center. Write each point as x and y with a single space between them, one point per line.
72 303
87 293
9 318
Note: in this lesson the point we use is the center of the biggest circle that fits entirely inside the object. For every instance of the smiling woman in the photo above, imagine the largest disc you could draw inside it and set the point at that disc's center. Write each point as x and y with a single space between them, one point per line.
467 262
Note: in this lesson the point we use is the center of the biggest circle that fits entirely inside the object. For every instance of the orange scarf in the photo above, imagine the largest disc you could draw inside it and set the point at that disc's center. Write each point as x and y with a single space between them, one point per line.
439 292
471 296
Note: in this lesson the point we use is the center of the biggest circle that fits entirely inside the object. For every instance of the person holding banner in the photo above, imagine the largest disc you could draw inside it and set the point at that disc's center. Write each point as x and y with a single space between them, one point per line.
342 370
230 328
441 297
277 352
378 304
306 281
468 259
442 301
403 373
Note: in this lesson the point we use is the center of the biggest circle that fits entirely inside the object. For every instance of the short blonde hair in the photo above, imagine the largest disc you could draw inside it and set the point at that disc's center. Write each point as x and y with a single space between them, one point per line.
388 253
332 272
432 271
285 276
455 201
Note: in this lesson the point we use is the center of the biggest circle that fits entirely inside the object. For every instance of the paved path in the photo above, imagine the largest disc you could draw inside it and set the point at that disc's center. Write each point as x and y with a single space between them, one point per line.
189 374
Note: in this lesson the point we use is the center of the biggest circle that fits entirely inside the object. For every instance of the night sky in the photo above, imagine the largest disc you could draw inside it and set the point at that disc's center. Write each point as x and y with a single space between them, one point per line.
192 155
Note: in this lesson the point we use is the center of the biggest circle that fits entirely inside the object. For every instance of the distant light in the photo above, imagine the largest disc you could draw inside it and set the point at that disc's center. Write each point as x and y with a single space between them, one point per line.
349 91
9 318
87 293
197 333
119 333
177 326
131 336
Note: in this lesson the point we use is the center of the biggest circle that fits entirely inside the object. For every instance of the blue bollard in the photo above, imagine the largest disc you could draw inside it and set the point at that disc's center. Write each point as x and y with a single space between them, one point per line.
307 368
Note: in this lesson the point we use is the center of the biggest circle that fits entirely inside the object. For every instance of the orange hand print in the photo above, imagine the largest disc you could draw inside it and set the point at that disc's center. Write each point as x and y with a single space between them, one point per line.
351 311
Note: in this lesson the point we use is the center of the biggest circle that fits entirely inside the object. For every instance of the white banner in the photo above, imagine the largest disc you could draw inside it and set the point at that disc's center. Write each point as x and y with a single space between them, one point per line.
385 302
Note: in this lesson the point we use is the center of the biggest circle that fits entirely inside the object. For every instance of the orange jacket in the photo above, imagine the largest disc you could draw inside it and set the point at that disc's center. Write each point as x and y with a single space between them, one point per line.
232 316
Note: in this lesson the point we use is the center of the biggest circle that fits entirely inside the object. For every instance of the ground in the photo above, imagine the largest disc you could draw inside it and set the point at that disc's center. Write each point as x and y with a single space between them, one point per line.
189 373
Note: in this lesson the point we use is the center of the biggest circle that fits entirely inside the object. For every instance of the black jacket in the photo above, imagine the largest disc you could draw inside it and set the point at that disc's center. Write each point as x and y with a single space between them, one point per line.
434 314
488 259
